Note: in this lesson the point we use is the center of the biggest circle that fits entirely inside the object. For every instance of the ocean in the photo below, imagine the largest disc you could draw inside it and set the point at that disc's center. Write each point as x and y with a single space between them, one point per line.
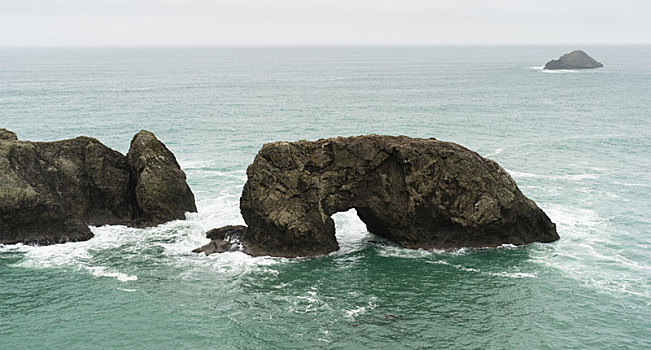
576 142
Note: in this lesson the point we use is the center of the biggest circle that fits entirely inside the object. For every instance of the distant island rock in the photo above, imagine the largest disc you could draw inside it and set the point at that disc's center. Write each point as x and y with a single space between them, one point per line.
419 193
51 191
576 59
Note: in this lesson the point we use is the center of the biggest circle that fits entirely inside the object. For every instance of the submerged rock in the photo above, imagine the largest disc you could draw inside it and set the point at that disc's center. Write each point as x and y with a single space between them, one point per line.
51 191
576 59
419 193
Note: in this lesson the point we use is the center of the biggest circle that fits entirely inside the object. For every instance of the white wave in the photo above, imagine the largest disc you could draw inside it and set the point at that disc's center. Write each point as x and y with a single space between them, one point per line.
629 184
569 177
615 196
514 274
175 239
236 263
559 71
508 246
618 287
536 67
393 250
209 171
590 251
495 152
460 267
100 271
396 251
210 166
326 79
191 233
359 310
602 193
311 302
197 164
80 255
311 297
574 222
350 232
632 264
133 89
355 312
498 274
52 255
202 172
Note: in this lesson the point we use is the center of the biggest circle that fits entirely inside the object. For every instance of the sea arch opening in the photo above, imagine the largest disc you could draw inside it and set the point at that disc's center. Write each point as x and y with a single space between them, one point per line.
351 232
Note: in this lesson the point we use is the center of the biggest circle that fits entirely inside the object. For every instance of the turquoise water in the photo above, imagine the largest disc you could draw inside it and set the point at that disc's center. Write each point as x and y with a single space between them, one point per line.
577 142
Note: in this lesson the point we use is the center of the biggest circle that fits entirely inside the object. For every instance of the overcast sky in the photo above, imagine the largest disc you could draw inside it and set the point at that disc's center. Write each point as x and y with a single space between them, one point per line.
322 22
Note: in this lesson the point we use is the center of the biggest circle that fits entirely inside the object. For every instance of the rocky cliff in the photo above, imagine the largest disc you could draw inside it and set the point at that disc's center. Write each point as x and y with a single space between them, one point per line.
419 193
51 191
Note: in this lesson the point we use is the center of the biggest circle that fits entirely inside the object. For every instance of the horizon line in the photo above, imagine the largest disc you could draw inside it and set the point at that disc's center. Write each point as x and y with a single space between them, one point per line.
333 45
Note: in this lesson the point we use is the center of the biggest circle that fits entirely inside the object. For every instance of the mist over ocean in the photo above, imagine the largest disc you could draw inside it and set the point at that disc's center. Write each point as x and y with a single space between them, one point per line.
576 142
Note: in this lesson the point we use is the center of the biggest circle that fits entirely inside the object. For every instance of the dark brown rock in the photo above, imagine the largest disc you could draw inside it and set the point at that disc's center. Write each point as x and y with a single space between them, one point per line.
221 239
226 232
51 191
162 194
7 135
576 59
419 193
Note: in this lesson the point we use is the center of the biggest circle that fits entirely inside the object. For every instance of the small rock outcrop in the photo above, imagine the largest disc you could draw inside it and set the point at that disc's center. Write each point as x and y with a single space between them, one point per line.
576 59
51 191
419 193
222 239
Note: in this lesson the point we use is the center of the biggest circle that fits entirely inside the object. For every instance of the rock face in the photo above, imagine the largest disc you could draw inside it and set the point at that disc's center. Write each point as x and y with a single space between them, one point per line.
419 193
51 191
160 188
576 59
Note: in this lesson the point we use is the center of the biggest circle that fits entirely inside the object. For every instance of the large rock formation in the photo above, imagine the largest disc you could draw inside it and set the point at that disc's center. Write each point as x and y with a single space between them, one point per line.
51 191
419 193
161 192
576 59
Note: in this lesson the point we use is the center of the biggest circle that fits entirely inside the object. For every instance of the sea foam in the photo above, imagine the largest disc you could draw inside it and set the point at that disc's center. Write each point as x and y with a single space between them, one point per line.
100 271
567 177
589 251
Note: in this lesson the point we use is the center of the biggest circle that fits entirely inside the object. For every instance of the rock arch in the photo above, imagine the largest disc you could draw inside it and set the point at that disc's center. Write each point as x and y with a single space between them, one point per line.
419 193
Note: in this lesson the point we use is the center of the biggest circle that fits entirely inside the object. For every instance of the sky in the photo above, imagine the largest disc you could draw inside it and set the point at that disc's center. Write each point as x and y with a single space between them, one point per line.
36 23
